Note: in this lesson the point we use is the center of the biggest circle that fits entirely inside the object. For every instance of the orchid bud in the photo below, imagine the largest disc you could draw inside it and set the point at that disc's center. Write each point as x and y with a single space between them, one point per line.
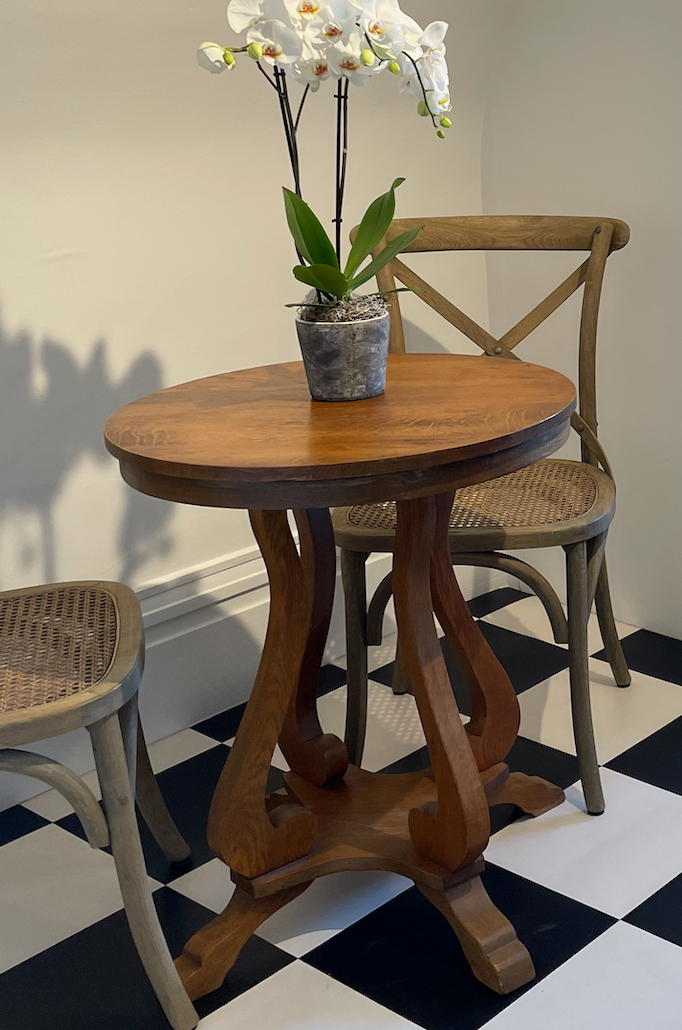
422 109
211 56
445 122
440 134
394 67
229 59
367 58
255 51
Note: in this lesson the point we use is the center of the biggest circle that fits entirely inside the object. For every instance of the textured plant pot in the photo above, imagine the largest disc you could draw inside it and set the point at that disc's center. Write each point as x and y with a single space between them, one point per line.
345 361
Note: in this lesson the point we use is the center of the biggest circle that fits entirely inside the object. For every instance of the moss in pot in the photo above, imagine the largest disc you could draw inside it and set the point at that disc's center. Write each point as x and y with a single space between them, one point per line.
344 336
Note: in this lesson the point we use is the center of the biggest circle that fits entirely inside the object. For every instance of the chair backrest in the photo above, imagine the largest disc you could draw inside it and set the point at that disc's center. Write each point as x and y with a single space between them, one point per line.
598 236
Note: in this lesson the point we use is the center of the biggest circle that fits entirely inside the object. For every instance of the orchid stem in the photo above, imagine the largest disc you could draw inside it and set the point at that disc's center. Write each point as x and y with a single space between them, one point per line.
300 107
423 89
341 157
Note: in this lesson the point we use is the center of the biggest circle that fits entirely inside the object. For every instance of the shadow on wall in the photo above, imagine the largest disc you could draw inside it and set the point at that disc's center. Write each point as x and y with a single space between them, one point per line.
46 431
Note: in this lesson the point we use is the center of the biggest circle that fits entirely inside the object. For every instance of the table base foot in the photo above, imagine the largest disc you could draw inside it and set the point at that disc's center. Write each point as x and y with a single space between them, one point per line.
212 951
496 955
531 794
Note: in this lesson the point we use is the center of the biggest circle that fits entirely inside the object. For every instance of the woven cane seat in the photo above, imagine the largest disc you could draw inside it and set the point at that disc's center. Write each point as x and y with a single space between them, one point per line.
54 643
540 498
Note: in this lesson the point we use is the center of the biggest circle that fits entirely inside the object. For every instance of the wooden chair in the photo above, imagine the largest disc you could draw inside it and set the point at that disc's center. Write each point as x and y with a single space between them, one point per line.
550 503
71 655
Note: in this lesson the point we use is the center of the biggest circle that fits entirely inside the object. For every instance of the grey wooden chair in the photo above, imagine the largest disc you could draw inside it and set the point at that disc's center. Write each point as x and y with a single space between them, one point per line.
71 655
553 502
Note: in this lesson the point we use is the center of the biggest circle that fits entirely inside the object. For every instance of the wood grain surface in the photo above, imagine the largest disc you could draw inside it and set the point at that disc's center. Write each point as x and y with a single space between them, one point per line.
260 427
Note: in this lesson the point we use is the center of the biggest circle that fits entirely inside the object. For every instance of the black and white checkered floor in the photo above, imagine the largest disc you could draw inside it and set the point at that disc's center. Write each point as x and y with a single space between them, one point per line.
598 902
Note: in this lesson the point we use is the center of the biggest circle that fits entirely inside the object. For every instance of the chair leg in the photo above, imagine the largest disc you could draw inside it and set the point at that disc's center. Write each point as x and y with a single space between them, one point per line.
578 614
153 807
112 769
609 634
355 596
401 681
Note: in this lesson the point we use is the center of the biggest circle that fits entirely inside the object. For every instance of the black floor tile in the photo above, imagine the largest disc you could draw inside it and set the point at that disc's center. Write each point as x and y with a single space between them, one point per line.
526 756
223 726
95 981
656 759
534 759
17 822
660 914
331 677
653 654
527 661
484 604
188 790
406 957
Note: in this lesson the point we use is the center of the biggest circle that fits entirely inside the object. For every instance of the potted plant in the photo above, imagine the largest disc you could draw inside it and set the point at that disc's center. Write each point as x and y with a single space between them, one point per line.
343 336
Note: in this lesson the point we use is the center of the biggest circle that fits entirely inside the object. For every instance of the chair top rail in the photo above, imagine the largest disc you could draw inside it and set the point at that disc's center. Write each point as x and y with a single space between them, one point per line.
508 232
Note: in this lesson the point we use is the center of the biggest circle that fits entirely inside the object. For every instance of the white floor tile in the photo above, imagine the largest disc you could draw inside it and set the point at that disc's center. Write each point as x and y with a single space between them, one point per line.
179 747
51 805
52 885
394 728
611 862
529 617
163 754
622 716
330 904
209 885
299 997
624 980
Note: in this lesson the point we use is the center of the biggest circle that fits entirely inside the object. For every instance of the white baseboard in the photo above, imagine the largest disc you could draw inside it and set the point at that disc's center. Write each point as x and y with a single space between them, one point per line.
205 628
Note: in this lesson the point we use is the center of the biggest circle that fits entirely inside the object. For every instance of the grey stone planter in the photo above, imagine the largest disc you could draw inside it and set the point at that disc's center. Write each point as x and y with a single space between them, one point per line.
345 361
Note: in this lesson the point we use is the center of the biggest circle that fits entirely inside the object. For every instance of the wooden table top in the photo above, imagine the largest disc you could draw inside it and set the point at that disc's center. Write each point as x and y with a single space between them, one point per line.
254 438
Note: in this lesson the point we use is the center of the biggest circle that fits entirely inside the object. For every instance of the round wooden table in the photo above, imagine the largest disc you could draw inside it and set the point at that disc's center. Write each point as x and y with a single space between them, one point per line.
254 439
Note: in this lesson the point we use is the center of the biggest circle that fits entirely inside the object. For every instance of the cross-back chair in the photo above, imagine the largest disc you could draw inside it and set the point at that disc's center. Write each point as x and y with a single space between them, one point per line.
554 502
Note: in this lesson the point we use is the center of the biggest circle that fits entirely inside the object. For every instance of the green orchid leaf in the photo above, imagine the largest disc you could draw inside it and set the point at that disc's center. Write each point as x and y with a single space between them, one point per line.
385 255
372 229
324 278
311 240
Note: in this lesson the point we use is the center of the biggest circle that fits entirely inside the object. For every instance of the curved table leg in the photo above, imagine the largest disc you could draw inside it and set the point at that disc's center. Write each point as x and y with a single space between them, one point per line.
456 834
241 831
318 757
454 831
496 955
216 947
495 714
249 832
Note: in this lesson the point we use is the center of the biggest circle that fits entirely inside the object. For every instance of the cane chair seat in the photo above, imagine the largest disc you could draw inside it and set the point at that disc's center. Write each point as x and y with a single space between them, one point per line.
69 653
54 644
550 502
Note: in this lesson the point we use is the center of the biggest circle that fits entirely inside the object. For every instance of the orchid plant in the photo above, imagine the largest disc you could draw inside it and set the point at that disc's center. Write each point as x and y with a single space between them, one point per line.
349 41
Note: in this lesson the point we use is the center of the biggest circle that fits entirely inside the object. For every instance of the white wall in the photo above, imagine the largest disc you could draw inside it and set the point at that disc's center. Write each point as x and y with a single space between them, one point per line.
143 243
584 118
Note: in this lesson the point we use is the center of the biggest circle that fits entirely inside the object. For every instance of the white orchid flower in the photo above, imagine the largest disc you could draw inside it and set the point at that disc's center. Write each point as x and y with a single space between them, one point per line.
280 43
242 14
312 68
345 59
389 29
211 56
433 36
322 22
